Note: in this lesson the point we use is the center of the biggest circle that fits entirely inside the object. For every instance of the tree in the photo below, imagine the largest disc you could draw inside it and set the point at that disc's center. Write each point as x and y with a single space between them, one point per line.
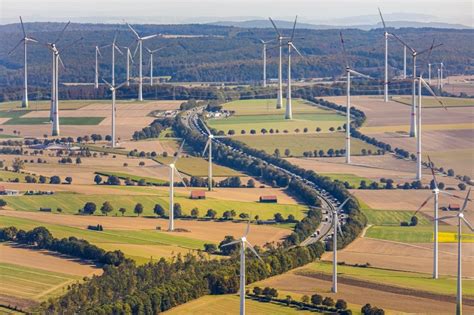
227 215
159 210
195 212
122 211
291 218
331 129
3 203
331 152
318 129
414 221
55 180
243 215
106 208
89 208
68 180
42 179
210 248
328 301
211 213
287 152
138 209
276 153
78 160
451 172
97 179
227 250
341 304
18 164
113 180
288 300
278 217
251 183
462 186
363 184
257 290
177 211
305 299
316 299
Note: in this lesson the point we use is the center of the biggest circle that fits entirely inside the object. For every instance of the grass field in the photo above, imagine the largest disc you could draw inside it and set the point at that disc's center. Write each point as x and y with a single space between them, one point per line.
13 113
412 280
392 217
268 107
70 203
31 283
132 177
352 179
429 101
74 121
6 176
45 105
418 234
194 166
229 304
297 144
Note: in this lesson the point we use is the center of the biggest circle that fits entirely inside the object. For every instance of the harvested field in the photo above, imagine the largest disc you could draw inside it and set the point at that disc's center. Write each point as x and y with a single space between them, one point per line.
195 166
159 146
429 101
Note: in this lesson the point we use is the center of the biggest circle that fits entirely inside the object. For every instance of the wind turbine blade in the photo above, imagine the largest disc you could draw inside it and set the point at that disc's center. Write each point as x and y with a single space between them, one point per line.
61 62
32 39
108 84
339 229
426 85
62 32
403 43
346 60
22 27
148 49
275 27
445 218
383 21
118 49
205 127
220 137
205 148
452 195
466 200
248 229
293 32
134 32
16 46
296 49
467 223
423 204
179 152
360 74
250 246
72 44
120 85
180 177
149 37
115 38
432 172
428 49
343 204
231 243
98 50
136 48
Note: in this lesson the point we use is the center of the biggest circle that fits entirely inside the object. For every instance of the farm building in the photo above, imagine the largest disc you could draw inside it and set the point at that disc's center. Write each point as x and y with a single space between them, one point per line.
269 199
8 192
454 207
198 194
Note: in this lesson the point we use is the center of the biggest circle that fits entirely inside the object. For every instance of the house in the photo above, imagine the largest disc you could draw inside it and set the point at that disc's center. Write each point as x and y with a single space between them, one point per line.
454 207
8 192
198 194
269 199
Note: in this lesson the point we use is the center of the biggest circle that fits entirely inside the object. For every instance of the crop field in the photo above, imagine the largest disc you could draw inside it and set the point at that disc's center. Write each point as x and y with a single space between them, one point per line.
418 234
132 177
268 107
429 101
392 217
297 144
13 113
32 283
194 166
224 304
45 105
75 121
6 176
352 179
70 203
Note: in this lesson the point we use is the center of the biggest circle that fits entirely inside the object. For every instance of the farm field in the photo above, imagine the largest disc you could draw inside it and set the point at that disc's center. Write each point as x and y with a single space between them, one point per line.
297 144
429 101
195 166
418 234
225 304
352 179
6 176
258 114
76 121
459 84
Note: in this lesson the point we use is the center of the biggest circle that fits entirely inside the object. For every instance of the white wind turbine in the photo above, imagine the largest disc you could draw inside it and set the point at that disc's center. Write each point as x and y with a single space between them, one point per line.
113 89
140 66
114 48
349 71
264 55
289 111
243 245
414 54
386 35
151 52
24 40
280 78
461 220
172 170
435 194
421 83
129 60
208 148
97 54
336 228
404 62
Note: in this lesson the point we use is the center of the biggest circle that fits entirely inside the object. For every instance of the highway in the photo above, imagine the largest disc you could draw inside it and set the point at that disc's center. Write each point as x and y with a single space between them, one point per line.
328 203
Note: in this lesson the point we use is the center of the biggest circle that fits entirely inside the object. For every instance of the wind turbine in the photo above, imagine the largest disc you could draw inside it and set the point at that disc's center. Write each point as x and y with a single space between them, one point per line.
151 52
264 53
404 62
349 71
24 40
280 79
429 73
243 245
97 54
289 112
461 219
208 147
113 89
129 59
385 82
140 67
336 229
414 54
114 48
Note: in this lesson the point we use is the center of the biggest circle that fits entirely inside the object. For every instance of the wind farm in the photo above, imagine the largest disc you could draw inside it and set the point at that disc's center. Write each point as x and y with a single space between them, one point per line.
268 166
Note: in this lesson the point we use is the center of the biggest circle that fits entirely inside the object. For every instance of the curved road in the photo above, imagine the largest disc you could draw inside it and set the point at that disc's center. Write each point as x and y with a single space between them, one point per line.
328 203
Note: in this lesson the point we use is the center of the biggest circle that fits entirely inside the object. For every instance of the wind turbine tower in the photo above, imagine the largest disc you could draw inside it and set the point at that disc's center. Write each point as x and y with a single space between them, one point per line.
336 228
280 78
113 89
289 111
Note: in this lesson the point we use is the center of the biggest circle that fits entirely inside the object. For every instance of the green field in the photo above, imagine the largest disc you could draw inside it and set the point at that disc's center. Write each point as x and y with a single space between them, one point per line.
96 148
31 283
352 179
45 105
75 121
6 176
13 113
297 144
135 178
195 166
411 280
392 217
429 101
70 203
229 304
258 114
417 234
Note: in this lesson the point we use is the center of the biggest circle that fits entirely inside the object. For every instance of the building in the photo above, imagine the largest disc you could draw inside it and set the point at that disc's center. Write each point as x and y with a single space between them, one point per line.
198 194
269 199
8 192
454 207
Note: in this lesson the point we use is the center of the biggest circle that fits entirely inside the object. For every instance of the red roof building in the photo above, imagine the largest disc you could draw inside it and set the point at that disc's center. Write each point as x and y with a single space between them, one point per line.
268 199
198 194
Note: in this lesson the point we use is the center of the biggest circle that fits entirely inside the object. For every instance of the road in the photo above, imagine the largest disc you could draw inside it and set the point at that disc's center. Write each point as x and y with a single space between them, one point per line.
328 203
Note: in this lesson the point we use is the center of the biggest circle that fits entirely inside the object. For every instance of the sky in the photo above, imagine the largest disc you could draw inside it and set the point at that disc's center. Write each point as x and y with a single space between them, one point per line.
181 11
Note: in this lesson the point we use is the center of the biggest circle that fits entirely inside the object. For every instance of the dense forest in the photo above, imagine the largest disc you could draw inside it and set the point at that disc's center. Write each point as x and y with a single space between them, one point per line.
218 53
